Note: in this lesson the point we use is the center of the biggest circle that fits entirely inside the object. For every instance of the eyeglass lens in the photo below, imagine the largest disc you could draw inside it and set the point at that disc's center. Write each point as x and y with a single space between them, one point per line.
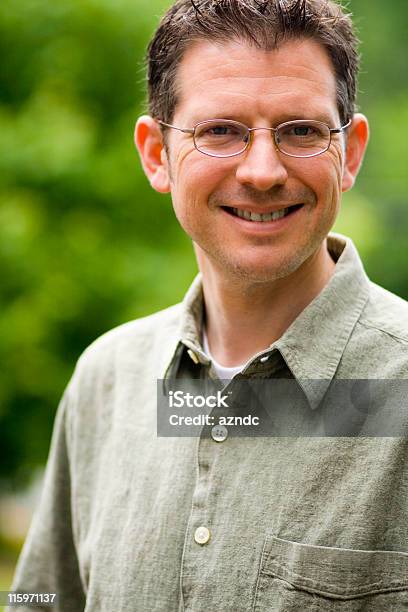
297 138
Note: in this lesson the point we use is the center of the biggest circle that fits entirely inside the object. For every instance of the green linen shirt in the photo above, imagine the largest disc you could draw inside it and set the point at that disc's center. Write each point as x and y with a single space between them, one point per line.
132 522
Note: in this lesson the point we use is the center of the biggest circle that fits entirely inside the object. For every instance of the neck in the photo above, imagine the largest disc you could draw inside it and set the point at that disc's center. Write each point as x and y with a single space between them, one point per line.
244 318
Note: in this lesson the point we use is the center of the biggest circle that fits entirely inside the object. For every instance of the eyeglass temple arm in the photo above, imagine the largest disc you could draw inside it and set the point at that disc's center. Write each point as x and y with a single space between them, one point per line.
343 127
184 130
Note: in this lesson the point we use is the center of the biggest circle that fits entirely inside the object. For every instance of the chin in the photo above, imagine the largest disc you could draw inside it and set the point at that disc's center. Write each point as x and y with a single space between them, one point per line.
263 271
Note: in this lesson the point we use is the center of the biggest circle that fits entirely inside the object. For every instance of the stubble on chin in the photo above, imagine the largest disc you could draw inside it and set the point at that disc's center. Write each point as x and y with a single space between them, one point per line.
251 271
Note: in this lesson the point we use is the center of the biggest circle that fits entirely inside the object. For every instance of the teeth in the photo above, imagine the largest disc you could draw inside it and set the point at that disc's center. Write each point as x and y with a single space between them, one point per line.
252 216
279 214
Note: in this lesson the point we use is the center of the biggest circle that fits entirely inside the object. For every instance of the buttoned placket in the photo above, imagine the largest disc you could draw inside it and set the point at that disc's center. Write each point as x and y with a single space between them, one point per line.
212 448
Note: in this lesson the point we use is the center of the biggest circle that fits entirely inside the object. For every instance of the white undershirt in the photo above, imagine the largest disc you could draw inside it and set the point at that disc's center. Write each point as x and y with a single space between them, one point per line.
222 372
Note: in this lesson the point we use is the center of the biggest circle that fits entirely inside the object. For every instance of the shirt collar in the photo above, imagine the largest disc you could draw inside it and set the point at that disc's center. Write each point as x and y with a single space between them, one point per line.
315 342
186 333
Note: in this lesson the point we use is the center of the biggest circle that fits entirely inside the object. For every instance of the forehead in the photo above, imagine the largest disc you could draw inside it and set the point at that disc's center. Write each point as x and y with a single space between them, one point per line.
297 77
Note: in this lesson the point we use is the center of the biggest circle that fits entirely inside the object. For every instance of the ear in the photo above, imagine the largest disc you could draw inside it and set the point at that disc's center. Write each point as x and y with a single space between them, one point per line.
357 139
149 143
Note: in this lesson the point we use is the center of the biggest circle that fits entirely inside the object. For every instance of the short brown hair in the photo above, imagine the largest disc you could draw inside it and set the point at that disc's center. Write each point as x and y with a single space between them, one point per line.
262 23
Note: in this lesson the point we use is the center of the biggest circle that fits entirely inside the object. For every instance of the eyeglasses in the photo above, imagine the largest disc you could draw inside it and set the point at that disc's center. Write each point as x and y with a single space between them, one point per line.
227 138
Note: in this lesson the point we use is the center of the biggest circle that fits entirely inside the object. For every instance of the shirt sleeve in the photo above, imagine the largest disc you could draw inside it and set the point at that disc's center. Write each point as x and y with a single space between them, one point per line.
49 561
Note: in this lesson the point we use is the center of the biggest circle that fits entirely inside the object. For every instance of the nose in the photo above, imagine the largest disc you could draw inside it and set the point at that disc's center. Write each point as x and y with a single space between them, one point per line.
261 165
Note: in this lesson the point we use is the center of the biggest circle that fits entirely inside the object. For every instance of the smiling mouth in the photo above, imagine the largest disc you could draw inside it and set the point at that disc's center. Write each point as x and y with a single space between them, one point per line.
261 217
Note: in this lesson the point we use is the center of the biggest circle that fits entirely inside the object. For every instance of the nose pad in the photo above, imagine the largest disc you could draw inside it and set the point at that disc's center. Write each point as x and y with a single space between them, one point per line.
261 166
274 135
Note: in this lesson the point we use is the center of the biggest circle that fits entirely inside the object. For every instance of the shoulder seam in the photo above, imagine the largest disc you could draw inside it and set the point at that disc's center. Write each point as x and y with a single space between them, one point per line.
384 331
141 325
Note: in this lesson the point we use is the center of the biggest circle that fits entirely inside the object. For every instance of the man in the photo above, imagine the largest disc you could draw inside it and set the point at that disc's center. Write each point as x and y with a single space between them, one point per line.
253 130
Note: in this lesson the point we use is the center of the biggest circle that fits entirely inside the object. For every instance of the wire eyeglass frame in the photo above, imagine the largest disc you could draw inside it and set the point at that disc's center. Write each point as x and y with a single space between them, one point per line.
249 133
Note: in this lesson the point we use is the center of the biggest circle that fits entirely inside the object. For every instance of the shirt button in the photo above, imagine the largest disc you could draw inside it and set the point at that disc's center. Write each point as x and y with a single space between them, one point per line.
219 433
202 535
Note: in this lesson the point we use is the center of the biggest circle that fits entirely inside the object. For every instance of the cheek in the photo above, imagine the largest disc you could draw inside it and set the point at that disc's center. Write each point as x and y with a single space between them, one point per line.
189 190
195 177
336 159
324 177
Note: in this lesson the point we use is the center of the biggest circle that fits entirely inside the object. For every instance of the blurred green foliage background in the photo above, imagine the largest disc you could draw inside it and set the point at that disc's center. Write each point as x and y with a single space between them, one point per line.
85 244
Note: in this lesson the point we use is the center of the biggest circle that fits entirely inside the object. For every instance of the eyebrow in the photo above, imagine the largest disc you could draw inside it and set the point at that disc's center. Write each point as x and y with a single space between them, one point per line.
282 118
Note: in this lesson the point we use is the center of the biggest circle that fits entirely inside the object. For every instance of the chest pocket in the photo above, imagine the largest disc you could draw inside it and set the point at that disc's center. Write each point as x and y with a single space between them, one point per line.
295 577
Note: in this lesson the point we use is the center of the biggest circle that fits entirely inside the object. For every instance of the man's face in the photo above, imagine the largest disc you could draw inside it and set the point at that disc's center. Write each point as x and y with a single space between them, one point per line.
260 89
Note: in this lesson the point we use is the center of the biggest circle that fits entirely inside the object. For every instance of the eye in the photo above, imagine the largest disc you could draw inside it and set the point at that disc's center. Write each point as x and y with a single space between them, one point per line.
303 130
221 138
306 132
221 129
